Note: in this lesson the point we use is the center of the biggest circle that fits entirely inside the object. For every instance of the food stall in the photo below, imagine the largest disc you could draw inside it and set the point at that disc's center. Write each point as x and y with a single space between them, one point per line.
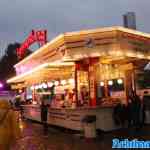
83 73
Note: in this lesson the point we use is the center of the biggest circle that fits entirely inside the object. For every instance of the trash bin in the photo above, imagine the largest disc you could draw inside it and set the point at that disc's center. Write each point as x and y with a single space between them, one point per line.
89 126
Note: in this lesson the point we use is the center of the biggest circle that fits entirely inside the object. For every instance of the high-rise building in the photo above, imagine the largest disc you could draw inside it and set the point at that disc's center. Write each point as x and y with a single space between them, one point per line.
129 20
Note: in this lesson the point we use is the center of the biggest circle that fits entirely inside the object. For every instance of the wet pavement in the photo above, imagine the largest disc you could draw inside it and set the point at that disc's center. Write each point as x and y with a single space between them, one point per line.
32 138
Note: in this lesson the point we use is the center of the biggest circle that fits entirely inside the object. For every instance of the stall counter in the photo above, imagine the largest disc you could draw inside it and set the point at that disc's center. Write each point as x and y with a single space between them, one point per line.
72 118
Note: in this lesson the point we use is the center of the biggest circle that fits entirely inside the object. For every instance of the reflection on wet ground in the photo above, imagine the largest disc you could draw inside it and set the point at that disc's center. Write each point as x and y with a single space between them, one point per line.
33 138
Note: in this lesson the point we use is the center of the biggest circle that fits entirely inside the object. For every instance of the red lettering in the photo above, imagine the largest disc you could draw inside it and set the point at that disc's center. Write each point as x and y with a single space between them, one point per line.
35 36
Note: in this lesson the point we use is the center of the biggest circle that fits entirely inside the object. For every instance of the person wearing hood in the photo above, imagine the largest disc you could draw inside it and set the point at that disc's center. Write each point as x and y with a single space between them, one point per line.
9 125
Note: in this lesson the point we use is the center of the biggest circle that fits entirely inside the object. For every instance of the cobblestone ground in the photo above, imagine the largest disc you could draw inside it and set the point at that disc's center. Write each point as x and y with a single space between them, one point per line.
33 139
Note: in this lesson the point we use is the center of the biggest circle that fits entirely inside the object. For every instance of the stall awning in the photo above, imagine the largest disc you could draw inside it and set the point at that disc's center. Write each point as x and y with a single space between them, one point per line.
52 70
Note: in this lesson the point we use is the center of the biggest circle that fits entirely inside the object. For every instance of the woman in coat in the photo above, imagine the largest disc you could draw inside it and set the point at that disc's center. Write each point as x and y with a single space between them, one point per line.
9 125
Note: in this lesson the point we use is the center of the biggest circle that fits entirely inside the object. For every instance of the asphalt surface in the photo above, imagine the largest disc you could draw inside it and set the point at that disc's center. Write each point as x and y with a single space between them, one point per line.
32 138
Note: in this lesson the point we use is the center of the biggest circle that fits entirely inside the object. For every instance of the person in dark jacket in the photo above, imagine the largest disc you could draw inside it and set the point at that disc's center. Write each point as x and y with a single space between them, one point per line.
119 114
145 106
129 112
44 113
136 108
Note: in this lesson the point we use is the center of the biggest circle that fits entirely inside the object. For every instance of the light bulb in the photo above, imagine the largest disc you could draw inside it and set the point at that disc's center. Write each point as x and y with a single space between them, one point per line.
44 85
32 87
50 84
40 86
119 81
71 81
56 83
36 87
63 82
110 82
101 83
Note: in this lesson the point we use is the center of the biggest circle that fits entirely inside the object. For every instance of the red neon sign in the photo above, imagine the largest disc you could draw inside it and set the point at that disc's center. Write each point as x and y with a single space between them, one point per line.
35 36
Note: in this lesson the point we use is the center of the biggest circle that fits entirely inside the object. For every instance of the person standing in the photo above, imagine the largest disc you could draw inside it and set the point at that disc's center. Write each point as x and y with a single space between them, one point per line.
129 112
9 126
136 108
119 113
145 106
44 113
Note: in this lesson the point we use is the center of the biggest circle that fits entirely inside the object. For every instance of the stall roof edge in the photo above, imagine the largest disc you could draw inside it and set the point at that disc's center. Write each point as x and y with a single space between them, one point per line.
57 38
83 32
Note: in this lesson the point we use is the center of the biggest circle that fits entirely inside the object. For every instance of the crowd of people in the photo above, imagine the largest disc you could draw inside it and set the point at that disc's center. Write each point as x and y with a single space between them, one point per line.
133 114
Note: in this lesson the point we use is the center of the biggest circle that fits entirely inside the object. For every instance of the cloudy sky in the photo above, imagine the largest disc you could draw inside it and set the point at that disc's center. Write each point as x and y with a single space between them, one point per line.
19 17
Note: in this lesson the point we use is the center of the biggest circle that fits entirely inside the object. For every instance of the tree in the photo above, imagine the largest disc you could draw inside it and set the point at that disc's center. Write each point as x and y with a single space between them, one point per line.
8 61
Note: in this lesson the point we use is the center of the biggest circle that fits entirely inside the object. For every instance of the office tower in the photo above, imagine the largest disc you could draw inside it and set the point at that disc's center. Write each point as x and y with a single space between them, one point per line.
129 20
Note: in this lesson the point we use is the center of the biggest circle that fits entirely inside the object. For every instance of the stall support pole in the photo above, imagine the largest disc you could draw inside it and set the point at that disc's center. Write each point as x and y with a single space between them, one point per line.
133 81
76 84
128 83
92 80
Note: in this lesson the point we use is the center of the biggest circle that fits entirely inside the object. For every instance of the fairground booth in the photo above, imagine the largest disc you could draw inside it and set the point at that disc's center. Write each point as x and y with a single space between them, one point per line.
84 72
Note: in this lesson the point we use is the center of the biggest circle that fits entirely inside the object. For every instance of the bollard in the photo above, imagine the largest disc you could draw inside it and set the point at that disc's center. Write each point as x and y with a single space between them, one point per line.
89 126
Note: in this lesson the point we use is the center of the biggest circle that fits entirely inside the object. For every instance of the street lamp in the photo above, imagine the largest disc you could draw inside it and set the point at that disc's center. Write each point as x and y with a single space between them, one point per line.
1 85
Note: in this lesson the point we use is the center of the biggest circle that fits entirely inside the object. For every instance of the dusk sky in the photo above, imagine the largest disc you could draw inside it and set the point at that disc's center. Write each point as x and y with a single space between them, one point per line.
19 17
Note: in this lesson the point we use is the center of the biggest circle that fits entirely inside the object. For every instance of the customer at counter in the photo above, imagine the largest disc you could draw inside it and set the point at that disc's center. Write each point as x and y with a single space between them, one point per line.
44 113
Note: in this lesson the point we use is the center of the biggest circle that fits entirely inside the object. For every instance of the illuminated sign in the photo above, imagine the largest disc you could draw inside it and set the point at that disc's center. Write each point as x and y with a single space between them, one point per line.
35 36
